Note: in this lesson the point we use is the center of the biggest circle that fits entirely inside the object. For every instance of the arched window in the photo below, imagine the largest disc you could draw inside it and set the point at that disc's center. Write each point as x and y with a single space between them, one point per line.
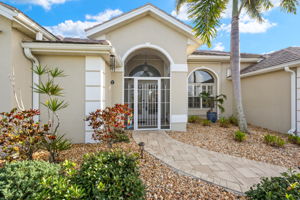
144 70
200 81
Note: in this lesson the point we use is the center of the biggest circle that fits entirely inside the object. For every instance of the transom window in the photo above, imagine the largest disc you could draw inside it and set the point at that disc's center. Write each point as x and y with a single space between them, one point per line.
200 81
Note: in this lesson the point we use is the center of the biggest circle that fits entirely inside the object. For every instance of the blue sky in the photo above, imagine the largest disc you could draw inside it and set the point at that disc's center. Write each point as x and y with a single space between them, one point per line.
70 17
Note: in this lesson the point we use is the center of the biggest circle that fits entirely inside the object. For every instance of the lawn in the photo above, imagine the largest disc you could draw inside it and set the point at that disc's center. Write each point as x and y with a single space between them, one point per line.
219 139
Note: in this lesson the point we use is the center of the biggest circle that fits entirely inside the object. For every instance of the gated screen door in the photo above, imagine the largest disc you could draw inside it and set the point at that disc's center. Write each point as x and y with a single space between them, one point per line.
149 97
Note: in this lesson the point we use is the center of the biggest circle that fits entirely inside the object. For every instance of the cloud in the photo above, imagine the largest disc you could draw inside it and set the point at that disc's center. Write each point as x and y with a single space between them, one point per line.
70 28
182 14
218 47
46 4
250 25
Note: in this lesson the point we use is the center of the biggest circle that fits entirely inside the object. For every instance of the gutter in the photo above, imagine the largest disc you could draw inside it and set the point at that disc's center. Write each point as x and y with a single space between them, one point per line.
293 100
35 80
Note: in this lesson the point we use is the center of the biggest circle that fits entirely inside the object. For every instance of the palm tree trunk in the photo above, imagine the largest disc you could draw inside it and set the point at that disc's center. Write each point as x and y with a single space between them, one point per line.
235 67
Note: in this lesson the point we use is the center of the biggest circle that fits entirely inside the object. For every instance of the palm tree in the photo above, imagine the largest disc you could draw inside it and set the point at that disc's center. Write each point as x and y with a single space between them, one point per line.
206 15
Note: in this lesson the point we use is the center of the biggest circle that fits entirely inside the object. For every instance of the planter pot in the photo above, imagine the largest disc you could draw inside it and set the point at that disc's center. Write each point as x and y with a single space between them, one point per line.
212 116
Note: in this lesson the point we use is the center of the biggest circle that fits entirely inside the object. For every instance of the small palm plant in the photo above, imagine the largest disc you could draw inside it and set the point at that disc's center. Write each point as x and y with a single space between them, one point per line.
213 102
47 86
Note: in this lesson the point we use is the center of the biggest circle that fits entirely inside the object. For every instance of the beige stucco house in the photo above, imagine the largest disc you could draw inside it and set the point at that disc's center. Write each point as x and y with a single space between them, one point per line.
149 60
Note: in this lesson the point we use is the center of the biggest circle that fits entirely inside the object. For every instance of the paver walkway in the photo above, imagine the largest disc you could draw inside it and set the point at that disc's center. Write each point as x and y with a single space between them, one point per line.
230 172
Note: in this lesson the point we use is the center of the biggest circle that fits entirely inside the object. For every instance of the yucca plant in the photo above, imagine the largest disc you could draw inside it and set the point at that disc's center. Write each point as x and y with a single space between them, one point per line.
54 142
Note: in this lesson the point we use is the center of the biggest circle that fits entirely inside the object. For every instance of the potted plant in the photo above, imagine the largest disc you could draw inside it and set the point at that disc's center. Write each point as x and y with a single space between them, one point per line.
213 102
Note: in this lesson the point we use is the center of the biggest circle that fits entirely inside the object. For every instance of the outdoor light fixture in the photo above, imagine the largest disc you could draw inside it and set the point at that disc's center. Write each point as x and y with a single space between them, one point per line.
112 60
142 145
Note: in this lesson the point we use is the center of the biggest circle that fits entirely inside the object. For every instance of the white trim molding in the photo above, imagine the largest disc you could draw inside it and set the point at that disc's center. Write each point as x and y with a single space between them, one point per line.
182 118
94 89
147 45
218 58
179 68
35 80
148 8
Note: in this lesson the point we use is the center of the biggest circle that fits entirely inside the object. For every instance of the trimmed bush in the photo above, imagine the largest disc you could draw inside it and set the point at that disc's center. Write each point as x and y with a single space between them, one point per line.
273 140
110 175
194 119
22 180
206 122
233 120
224 122
294 139
277 188
239 136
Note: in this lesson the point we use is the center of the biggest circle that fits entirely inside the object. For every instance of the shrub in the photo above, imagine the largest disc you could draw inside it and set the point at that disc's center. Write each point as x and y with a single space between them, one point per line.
239 136
294 139
121 136
224 122
105 122
277 188
22 180
110 175
20 135
273 140
194 119
206 122
233 120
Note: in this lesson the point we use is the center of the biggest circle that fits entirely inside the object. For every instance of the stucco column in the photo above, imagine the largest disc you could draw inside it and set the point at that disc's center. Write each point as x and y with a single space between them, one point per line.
179 91
94 89
298 100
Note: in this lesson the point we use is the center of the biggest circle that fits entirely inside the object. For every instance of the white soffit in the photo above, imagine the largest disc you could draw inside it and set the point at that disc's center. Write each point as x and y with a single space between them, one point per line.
140 11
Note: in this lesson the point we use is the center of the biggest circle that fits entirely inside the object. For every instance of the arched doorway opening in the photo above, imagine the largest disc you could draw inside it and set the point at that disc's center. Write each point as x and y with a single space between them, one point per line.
147 89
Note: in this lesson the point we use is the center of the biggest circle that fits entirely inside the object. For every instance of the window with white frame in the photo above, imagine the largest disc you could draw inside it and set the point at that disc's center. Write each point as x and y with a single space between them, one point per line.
200 81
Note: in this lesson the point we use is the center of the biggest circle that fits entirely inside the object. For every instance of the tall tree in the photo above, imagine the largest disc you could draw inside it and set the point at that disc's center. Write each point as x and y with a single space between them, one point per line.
206 15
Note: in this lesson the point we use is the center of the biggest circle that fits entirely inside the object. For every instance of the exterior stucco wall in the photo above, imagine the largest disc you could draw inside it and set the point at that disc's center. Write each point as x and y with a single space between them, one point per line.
267 100
22 67
72 117
5 64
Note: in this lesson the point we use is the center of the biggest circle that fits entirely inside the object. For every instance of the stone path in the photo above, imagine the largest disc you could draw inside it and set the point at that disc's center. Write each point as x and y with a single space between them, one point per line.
233 173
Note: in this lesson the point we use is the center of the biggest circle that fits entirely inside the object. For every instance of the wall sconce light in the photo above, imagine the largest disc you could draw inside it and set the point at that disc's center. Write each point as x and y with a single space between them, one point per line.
112 63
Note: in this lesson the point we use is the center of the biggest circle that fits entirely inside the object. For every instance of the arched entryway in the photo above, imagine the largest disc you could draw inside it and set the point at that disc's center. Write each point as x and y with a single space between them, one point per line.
147 88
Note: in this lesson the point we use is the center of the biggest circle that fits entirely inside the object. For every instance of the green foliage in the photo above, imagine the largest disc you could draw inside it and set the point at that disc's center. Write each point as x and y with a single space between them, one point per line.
22 180
239 136
274 140
233 120
194 119
120 136
224 122
277 188
206 122
55 104
211 101
294 139
110 175
63 186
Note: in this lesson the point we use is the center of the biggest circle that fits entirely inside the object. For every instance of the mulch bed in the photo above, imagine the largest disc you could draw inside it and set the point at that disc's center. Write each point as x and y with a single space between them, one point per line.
218 139
161 181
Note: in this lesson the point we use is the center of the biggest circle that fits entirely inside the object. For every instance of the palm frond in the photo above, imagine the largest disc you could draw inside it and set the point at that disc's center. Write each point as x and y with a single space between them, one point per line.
40 70
206 15
56 73
48 88
290 6
255 8
55 104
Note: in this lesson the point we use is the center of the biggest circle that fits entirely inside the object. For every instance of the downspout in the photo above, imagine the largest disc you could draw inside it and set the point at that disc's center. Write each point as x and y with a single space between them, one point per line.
293 100
35 80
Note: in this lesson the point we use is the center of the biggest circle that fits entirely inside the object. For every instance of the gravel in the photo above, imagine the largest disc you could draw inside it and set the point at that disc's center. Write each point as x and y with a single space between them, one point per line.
218 139
161 181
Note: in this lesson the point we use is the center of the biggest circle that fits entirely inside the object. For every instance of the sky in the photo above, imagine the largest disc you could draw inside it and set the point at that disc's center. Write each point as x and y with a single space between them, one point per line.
69 18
